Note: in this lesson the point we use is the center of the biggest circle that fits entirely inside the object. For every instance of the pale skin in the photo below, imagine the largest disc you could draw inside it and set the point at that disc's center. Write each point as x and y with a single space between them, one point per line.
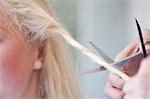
138 87
116 87
19 62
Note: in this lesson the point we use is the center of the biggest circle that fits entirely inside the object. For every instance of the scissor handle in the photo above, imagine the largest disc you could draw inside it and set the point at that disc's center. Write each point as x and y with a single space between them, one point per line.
146 41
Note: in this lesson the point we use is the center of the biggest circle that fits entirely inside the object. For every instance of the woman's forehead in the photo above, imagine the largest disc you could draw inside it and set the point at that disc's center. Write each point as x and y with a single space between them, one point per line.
3 23
10 30
4 20
6 25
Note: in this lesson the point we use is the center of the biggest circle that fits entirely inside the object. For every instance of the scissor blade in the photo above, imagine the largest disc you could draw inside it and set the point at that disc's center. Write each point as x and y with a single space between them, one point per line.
98 69
101 53
117 64
124 60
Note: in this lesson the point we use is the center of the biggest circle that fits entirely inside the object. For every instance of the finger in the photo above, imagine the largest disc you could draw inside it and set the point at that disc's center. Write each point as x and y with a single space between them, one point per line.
129 87
144 68
129 96
134 86
116 81
133 46
146 34
113 93
133 96
130 49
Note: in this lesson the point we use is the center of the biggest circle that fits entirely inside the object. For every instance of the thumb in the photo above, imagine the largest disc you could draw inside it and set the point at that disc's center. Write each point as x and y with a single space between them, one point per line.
145 67
130 49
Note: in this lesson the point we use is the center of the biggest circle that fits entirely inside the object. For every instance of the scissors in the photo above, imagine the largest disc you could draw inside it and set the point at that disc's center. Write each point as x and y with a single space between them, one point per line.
121 62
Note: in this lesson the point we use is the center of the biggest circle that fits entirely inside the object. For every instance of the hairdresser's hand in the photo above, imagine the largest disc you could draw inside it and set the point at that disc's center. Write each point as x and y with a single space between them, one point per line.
115 84
138 87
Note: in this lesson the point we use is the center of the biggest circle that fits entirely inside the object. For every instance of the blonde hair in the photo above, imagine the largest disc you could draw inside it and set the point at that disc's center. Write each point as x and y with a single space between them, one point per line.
56 80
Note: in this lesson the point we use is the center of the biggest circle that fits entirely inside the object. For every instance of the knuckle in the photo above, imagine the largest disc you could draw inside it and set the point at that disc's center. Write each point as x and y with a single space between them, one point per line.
106 89
118 56
112 93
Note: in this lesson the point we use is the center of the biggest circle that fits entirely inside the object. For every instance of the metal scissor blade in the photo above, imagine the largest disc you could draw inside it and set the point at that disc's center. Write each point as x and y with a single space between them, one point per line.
124 60
98 69
115 64
118 63
101 53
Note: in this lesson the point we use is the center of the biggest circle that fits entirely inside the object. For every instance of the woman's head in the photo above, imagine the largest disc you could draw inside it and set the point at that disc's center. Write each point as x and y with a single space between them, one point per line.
18 59
33 59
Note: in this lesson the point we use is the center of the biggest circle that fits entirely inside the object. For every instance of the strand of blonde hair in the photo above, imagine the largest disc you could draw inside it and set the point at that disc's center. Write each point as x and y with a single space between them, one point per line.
84 50
91 55
50 25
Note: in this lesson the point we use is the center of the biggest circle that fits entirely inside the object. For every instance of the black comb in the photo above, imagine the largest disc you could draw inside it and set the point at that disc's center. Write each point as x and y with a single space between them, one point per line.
141 38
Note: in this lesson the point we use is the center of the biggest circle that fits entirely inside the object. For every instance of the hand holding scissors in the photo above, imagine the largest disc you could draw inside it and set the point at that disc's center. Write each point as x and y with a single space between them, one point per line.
120 63
115 84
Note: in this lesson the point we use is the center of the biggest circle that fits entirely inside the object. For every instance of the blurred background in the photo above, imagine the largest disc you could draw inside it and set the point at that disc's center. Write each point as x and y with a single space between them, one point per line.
109 24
